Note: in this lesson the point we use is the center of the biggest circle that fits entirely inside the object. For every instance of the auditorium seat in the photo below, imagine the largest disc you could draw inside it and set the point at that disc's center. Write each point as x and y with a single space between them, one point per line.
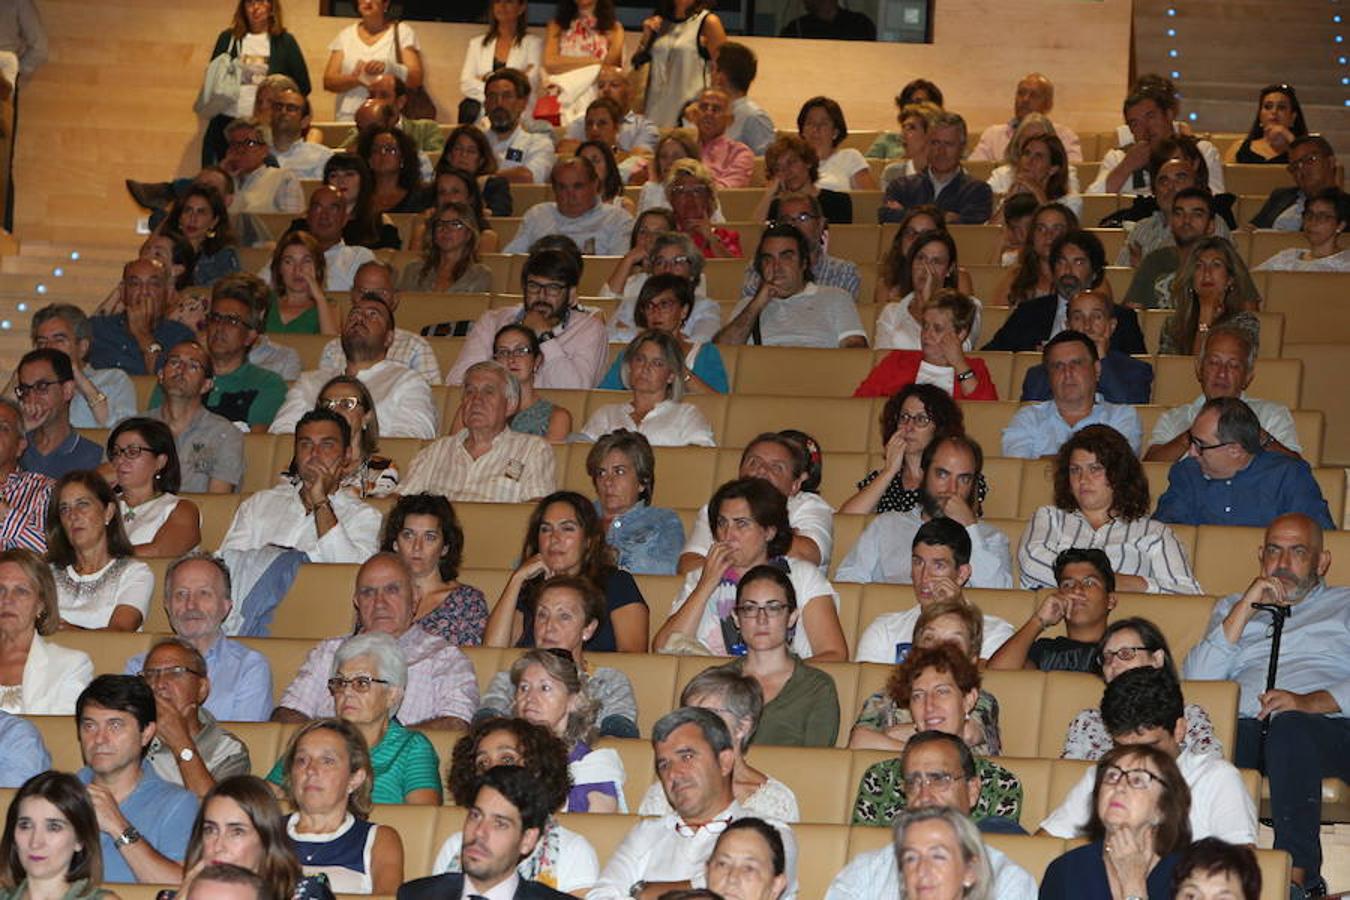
416 825
1277 380
216 512
802 371
263 740
822 850
319 602
258 472
1266 243
839 424
109 650
1251 179
493 533
308 346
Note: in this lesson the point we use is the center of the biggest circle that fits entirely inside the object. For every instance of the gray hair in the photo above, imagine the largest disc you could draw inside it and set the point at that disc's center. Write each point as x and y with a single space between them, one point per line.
508 378
71 314
740 694
242 123
670 351
681 240
379 264
635 446
709 723
967 836
222 570
194 655
390 662
1237 423
1237 327
949 119
581 722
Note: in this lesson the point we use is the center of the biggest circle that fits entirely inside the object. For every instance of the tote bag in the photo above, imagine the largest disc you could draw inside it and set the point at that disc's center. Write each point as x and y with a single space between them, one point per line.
220 87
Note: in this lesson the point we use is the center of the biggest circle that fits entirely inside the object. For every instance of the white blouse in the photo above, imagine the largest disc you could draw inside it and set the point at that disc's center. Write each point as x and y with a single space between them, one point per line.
837 171
669 424
1002 178
144 522
527 57
896 329
354 50
89 600
1143 547
1291 259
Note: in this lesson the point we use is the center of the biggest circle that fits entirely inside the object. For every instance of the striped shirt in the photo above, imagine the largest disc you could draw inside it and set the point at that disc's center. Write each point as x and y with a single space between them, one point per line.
26 494
1144 547
517 468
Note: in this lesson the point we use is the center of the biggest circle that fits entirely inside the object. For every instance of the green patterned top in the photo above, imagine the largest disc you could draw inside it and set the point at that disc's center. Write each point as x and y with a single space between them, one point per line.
881 793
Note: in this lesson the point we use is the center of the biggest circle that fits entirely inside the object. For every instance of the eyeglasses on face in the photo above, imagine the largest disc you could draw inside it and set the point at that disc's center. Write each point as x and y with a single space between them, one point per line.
502 354
345 404
359 683
216 318
919 420
552 290
1124 654
1200 446
1137 779
168 672
916 781
247 144
772 610
22 390
128 451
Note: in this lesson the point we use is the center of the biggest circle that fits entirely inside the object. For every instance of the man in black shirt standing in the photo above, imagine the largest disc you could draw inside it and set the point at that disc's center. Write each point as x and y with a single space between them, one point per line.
1083 602
825 19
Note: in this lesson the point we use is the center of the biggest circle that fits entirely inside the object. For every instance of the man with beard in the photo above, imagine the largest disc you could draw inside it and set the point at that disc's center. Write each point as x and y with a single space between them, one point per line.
1230 477
290 123
951 468
1309 735
940 563
402 397
573 342
1079 264
1192 217
376 278
210 447
522 156
1040 429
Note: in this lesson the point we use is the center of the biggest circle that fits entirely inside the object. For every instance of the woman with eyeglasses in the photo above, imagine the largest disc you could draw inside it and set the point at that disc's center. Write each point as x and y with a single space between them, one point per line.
942 685
1131 644
327 774
654 373
397 166
664 305
749 519
369 676
1279 120
561 859
551 691
909 421
692 196
146 477
100 584
51 847
449 262
895 275
1138 827
454 185
634 267
298 272
517 348
375 475
425 532
1326 216
1032 276
801 705
793 168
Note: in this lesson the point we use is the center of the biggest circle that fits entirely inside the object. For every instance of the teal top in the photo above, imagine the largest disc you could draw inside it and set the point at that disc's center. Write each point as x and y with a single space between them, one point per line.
534 418
305 323
707 366
404 761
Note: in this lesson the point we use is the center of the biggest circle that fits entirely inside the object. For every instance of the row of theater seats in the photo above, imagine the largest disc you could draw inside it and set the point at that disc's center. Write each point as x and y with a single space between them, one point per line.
823 849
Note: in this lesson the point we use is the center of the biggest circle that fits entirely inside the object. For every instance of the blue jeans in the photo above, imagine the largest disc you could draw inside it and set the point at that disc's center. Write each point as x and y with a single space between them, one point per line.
1301 750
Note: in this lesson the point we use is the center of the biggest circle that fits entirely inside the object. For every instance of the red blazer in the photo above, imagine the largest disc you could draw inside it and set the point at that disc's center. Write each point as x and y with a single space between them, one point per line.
901 367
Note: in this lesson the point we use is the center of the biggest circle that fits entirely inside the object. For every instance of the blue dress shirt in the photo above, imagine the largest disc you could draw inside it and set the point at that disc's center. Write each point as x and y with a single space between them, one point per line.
1272 485
241 682
25 755
1039 430
1312 653
162 812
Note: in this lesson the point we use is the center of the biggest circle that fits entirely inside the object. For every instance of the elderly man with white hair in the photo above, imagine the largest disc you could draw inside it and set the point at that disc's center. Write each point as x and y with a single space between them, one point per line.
485 461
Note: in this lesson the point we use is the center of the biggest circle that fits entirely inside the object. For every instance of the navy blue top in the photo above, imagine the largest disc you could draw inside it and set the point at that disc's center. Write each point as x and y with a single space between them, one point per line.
113 347
1080 874
75 452
1272 485
620 591
970 198
1124 380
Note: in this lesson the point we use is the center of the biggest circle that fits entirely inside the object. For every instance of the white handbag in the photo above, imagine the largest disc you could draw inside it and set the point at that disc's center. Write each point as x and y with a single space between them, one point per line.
220 86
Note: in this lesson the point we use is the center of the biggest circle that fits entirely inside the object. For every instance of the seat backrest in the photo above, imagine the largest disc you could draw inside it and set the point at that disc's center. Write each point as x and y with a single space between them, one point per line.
263 740
818 776
604 831
285 655
319 602
1064 774
487 662
801 371
653 677
1034 774
494 532
109 650
61 738
258 450
822 850
1021 706
415 825
1276 380
216 512
843 423
1032 852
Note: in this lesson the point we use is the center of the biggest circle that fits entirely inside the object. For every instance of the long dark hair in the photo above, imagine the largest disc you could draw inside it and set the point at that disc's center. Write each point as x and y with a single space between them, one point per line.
597 556
522 24
60 552
1299 128
604 14
475 193
439 508
906 283
1029 263
611 185
68 795
221 235
280 867
410 162
159 438
364 223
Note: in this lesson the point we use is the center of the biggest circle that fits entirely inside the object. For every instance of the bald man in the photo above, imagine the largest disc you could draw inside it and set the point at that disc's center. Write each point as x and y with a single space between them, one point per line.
1035 93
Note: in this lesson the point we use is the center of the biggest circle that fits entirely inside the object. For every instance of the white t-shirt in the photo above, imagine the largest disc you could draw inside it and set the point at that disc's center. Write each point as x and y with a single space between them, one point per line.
255 50
817 316
354 50
837 171
92 603
890 635
874 874
1220 804
809 515
669 424
1291 260
898 330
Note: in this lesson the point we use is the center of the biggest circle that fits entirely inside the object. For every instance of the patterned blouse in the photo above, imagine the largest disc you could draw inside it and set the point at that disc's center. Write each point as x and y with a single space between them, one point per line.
1087 737
898 498
881 712
582 39
461 618
881 793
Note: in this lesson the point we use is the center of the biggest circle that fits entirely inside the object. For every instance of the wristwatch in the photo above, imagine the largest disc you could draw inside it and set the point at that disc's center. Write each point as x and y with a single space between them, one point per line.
155 347
637 889
128 837
966 375
186 754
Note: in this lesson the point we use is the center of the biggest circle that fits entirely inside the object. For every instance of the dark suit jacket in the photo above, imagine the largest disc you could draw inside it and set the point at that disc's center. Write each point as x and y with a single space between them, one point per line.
449 886
969 198
1124 380
1029 327
1279 200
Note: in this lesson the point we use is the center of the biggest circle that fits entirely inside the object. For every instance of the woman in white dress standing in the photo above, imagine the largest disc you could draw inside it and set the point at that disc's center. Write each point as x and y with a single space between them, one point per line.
363 52
147 477
680 41
507 44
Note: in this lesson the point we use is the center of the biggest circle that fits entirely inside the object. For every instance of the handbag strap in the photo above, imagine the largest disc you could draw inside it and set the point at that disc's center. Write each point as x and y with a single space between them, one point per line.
398 48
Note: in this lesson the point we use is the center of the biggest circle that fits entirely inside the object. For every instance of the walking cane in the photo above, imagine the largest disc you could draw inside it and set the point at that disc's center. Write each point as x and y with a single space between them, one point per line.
1279 612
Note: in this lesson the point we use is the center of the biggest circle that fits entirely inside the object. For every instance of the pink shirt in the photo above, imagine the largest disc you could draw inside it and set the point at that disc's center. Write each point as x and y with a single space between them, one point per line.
730 162
575 357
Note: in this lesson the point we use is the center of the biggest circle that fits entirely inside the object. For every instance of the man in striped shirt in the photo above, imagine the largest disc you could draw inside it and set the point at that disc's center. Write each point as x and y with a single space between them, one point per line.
23 495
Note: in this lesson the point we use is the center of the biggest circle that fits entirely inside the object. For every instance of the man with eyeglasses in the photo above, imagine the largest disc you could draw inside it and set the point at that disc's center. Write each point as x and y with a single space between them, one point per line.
258 188
402 397
45 385
694 762
103 397
1144 707
803 212
1309 735
1074 369
522 156
241 391
937 770
376 278
190 747
962 199
599 228
1312 163
670 253
1224 369
210 447
573 342
1124 379
1175 164
134 339
290 123
199 602
731 163
1230 476
1084 595
442 691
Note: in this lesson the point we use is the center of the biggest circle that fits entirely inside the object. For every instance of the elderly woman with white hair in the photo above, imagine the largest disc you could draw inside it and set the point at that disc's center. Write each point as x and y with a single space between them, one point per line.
370 674
940 855
654 372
